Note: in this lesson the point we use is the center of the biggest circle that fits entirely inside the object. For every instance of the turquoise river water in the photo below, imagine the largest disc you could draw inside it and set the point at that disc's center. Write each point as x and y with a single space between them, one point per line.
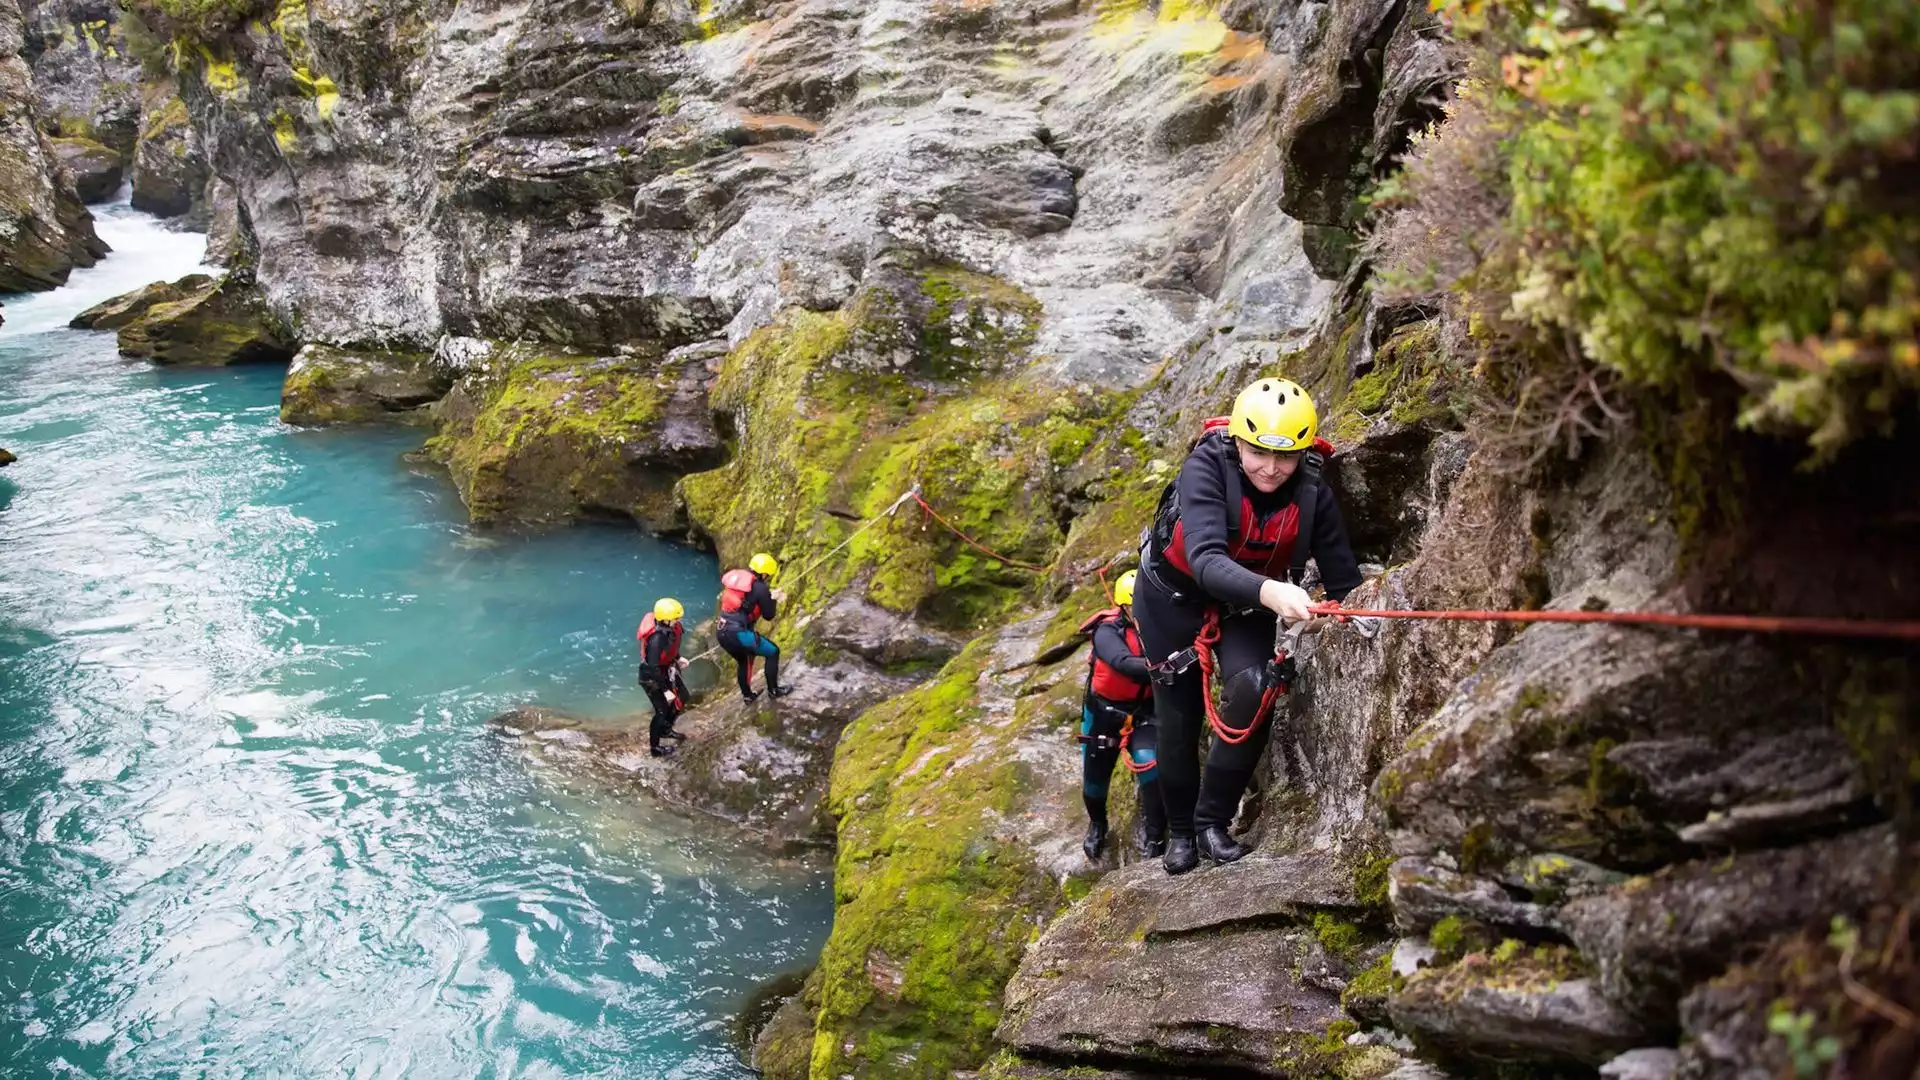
252 820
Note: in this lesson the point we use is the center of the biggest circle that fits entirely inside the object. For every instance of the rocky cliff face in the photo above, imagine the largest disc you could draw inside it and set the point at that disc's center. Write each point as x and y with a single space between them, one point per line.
752 271
44 230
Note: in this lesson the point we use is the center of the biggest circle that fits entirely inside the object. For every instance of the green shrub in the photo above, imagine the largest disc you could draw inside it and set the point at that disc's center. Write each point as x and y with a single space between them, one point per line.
1690 189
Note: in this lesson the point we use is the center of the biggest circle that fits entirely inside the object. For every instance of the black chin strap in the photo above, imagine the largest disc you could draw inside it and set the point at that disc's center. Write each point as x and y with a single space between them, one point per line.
1307 498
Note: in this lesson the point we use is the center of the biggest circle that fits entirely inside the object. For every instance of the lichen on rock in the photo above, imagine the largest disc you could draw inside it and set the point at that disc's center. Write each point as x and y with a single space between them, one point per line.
328 385
217 321
535 435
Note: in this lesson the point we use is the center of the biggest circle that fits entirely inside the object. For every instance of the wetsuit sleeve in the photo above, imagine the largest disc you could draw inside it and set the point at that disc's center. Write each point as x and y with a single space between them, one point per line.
763 598
1110 645
1203 520
1339 570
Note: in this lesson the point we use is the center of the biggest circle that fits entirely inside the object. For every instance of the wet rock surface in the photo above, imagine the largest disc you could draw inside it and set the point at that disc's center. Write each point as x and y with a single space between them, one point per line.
114 313
327 385
535 435
86 78
45 230
1107 981
1652 938
217 321
758 765
880 636
94 170
169 172
1519 1010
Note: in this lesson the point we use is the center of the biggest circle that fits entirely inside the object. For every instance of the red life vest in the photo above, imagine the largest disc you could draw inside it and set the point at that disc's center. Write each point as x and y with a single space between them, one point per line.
1102 678
1263 545
648 627
735 587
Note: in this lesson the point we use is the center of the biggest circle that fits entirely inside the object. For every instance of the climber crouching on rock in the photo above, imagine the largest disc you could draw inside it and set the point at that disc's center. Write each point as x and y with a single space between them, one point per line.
745 599
1229 543
1116 716
660 666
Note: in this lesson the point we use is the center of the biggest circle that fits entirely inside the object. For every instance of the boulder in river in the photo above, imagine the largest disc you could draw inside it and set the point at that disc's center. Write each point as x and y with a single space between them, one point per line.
114 313
94 169
540 435
217 322
7 458
328 385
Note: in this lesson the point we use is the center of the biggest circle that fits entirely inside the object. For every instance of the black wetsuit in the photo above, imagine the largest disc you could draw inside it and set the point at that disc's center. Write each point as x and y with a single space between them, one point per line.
1168 625
658 674
738 637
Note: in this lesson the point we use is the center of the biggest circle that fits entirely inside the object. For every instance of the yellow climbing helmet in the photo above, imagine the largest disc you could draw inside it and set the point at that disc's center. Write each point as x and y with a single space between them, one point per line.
667 609
1275 415
765 565
1123 588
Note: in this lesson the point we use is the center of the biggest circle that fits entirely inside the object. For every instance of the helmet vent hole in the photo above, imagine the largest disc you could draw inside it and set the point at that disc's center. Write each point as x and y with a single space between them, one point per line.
1302 435
1248 420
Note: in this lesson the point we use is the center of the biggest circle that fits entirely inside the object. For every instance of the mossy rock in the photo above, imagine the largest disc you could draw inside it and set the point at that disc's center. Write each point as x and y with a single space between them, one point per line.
948 799
537 436
831 431
216 323
94 168
123 309
328 385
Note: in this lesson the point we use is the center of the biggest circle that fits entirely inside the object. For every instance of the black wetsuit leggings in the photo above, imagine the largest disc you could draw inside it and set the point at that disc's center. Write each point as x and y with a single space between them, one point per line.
1168 626
664 713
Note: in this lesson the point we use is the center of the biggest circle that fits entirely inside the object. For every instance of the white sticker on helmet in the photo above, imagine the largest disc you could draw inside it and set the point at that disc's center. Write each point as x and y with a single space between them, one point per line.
1277 442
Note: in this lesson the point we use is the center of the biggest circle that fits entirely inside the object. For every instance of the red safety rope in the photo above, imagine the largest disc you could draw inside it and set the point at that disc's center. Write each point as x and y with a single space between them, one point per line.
1126 755
1203 650
1758 624
971 542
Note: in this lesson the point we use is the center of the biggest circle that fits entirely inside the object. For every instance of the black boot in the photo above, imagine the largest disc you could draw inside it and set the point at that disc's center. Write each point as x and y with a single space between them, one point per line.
749 695
1096 826
779 691
676 735
1150 831
1096 839
1218 844
1181 855
661 751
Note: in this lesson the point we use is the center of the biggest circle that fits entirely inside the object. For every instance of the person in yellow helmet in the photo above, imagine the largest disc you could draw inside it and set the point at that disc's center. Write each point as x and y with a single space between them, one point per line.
1117 714
746 597
660 666
1231 538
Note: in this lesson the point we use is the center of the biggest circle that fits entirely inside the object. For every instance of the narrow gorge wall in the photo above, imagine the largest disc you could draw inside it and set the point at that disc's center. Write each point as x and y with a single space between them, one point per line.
749 272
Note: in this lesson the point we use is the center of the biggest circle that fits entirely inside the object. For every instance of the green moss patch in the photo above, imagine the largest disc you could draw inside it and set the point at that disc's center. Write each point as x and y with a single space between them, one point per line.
934 909
546 437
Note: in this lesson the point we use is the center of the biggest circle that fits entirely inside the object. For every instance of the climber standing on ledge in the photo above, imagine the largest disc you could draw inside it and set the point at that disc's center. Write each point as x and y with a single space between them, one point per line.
745 599
1116 715
660 666
1231 538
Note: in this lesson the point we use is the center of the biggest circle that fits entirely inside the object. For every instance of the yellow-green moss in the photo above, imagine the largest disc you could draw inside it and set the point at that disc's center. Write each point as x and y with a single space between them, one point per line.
829 443
977 321
1368 991
580 408
933 910
1341 939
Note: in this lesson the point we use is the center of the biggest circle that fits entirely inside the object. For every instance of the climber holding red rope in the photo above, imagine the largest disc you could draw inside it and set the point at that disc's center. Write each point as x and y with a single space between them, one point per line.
1220 564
